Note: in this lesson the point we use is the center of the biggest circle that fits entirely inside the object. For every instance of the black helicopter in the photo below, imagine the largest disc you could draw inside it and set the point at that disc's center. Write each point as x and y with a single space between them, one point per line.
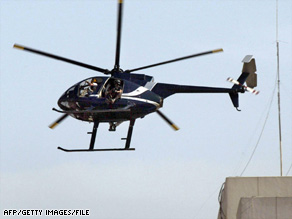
125 96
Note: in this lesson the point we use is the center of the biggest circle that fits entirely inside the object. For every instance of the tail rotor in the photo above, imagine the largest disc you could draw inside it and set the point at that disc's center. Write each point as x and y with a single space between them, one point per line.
256 92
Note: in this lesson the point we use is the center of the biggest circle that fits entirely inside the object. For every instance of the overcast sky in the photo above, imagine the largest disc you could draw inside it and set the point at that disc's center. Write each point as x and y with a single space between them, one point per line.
171 174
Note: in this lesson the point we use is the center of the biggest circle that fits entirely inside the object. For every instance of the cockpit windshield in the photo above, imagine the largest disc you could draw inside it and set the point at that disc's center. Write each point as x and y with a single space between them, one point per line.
90 87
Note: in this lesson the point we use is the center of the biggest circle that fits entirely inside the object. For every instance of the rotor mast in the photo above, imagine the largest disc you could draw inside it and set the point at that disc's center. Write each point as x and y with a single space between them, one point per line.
119 31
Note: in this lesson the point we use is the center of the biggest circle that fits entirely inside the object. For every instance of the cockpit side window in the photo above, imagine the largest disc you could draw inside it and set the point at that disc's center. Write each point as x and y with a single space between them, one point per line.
90 87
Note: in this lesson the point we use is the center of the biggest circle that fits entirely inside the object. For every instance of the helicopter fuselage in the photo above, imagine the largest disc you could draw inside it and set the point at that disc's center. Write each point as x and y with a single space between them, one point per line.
94 103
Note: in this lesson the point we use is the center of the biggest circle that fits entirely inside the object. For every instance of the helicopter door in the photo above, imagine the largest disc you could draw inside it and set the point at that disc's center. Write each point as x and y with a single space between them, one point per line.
113 90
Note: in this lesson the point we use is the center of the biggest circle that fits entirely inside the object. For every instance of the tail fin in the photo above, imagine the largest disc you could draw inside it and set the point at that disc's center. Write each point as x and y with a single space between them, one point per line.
249 67
234 99
247 76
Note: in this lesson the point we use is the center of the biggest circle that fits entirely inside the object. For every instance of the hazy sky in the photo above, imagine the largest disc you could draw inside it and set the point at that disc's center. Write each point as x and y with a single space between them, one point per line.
171 174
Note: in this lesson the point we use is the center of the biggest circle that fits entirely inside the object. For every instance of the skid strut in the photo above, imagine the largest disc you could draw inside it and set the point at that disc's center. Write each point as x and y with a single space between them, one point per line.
93 137
129 136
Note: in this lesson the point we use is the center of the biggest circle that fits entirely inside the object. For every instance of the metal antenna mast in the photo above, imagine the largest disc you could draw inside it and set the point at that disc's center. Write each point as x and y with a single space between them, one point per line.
278 82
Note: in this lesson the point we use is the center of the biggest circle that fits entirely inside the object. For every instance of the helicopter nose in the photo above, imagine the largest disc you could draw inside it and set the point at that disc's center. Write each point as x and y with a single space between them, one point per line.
63 102
66 101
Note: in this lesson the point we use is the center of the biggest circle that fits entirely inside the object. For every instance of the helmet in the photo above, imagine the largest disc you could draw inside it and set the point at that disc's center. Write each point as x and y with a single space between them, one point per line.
118 82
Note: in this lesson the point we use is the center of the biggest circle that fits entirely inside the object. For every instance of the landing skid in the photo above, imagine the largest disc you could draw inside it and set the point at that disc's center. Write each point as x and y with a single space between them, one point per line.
93 136
87 150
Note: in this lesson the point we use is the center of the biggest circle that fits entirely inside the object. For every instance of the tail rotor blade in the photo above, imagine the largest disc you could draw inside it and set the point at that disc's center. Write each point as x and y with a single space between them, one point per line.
58 121
167 120
245 87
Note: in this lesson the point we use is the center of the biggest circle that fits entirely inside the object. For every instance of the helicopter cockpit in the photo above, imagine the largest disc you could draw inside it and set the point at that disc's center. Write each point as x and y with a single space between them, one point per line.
90 87
109 88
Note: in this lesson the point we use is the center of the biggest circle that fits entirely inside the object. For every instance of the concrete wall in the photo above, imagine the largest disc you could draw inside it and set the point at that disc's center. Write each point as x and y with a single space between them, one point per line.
248 187
265 207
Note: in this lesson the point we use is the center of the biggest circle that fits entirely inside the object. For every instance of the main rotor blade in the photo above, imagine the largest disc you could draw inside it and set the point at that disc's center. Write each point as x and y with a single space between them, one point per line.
58 121
175 60
167 120
105 71
119 32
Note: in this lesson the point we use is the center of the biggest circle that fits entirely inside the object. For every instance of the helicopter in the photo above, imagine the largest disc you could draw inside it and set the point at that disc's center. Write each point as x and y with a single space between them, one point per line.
124 96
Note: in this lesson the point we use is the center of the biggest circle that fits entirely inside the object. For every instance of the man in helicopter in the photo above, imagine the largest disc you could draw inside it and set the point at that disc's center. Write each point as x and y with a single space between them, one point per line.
92 89
113 91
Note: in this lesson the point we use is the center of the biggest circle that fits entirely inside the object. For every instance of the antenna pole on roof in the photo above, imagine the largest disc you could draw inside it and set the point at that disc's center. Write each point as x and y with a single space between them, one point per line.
278 82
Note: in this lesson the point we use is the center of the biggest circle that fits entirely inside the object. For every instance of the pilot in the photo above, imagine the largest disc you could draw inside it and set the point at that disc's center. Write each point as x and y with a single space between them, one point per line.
92 89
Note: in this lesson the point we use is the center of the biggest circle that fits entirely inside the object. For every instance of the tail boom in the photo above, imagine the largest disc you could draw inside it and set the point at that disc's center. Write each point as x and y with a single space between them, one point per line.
166 90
